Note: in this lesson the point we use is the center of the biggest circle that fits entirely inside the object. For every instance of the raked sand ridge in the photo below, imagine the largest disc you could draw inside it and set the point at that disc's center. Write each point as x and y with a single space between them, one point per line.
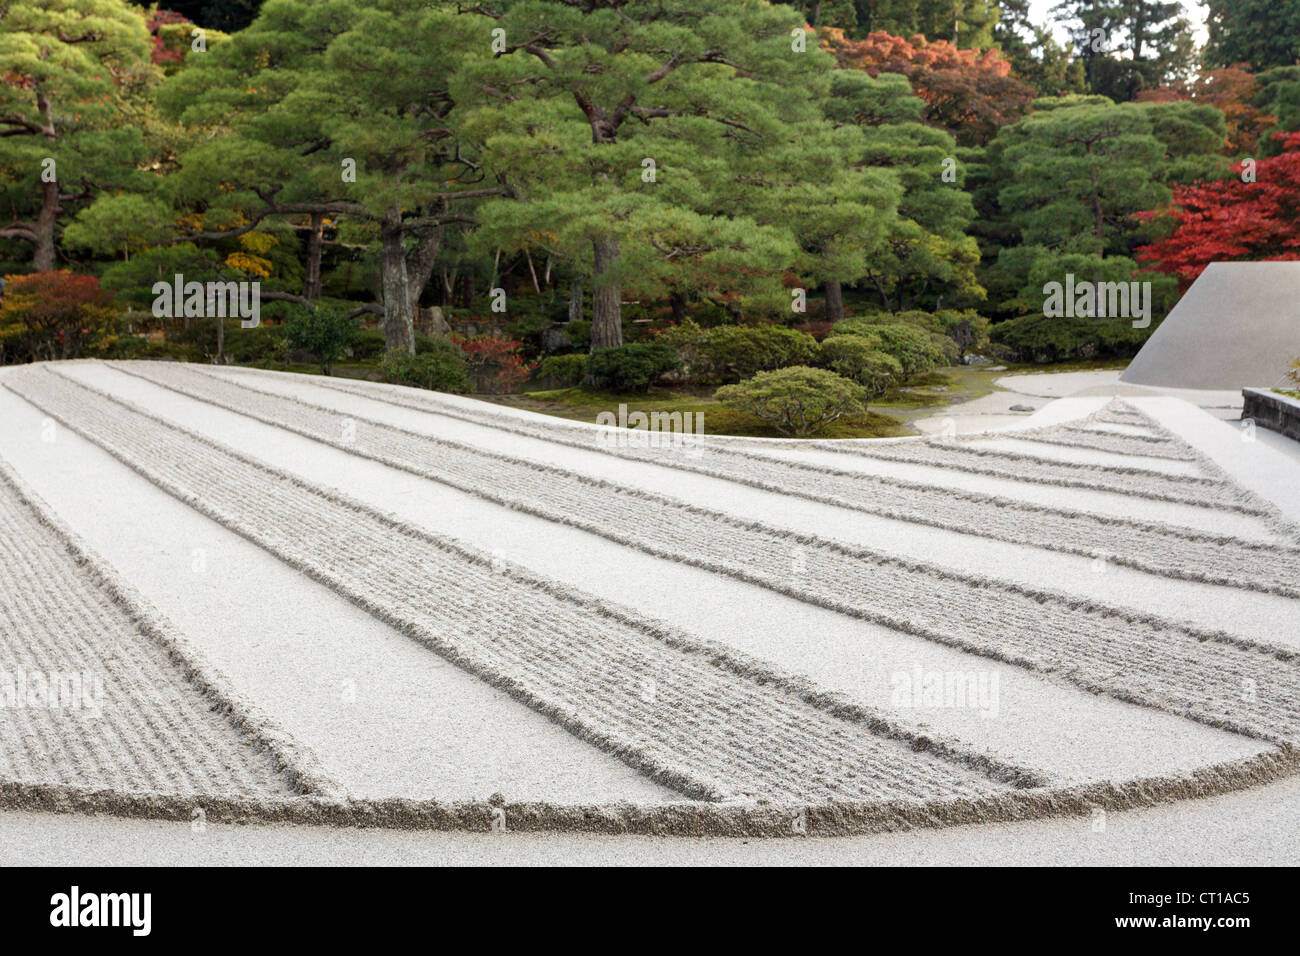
362 604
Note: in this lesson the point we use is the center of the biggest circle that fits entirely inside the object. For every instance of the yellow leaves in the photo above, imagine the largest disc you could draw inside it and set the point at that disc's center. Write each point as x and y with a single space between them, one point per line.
258 242
249 265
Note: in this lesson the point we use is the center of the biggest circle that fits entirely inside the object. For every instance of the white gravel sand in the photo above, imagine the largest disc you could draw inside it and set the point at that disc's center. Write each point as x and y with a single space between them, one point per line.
1236 829
738 637
1260 615
385 717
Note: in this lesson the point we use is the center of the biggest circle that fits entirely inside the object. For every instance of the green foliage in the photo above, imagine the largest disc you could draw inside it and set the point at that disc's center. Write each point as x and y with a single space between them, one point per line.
120 224
73 106
968 329
856 358
442 369
564 371
1040 338
324 332
264 345
579 333
797 401
1131 46
734 352
369 345
915 348
630 368
699 88
1259 33
1279 95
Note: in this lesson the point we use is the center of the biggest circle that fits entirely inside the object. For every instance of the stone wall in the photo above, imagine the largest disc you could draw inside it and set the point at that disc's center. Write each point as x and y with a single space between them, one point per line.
1268 409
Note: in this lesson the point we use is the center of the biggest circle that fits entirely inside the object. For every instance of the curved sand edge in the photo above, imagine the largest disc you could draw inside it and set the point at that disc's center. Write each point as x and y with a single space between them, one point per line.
686 819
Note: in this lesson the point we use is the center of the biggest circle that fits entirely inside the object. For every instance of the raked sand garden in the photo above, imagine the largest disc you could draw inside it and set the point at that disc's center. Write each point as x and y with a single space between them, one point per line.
301 600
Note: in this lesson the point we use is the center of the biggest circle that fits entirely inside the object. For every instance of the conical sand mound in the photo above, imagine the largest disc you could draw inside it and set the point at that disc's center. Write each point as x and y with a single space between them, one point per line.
1238 325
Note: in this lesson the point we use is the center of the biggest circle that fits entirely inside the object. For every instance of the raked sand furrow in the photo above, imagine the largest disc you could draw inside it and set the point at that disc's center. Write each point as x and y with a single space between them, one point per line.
1132 657
732 727
1210 492
1025 459
1074 454
129 714
1168 550
1206 493
1158 447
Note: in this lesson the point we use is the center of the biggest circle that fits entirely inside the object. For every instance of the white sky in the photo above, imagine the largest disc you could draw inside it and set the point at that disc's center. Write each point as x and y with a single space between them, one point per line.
1040 12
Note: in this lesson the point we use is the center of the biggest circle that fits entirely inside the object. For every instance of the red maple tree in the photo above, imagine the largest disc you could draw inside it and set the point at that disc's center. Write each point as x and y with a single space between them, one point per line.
162 53
52 315
1232 219
968 92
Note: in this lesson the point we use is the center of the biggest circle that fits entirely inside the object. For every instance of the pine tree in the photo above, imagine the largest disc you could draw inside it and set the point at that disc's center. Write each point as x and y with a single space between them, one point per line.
77 74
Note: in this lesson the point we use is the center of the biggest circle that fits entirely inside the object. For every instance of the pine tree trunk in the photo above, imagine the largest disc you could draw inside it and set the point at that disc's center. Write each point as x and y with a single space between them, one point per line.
43 259
834 300
311 283
420 270
399 327
606 297
678 303
575 300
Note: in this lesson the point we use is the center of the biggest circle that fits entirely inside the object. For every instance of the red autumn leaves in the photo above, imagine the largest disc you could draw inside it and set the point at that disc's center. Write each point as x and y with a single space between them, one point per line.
1232 219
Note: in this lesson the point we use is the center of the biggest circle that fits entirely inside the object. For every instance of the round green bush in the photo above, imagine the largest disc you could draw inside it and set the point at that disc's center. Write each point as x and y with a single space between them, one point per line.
856 358
442 368
324 332
563 371
797 401
729 353
630 368
916 349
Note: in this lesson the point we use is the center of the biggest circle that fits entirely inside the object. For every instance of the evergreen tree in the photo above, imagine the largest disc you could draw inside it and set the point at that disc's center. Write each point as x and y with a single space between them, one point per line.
583 102
1127 46
73 107
1262 34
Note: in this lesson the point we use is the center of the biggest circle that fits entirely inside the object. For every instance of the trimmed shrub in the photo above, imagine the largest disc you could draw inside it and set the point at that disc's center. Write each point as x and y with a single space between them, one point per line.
915 348
856 358
265 344
630 368
370 344
322 332
441 369
797 401
1041 338
563 371
729 353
